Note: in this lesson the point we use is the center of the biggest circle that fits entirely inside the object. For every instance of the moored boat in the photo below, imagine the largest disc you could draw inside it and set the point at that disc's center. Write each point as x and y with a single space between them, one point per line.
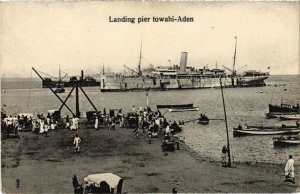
183 109
204 122
286 141
59 88
283 109
290 117
174 106
284 131
203 119
85 81
283 126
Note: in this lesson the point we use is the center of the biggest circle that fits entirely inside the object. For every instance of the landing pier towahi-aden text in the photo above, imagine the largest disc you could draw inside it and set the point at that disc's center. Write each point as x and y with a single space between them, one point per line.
154 19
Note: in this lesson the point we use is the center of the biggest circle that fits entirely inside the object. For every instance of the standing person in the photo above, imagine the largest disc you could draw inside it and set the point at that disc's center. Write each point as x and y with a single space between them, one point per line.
77 142
76 120
47 126
105 121
137 129
75 182
289 170
141 110
67 122
51 122
16 127
224 156
33 125
73 127
167 132
42 125
109 122
96 122
113 123
121 121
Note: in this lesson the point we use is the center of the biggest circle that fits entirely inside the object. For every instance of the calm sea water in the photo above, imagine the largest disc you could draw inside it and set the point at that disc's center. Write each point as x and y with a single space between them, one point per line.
244 105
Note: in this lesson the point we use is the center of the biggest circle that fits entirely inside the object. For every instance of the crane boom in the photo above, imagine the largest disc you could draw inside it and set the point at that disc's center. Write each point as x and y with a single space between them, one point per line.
242 68
131 69
53 92
228 69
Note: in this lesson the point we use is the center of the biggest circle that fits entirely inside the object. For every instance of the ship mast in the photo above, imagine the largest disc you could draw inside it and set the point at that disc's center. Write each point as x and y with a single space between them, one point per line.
234 57
228 146
139 67
59 76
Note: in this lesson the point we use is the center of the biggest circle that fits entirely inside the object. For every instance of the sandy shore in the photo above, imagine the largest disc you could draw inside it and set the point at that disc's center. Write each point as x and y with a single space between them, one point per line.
47 165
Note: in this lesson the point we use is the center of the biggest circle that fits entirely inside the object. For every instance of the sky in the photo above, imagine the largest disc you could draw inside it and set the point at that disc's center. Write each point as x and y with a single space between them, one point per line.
78 36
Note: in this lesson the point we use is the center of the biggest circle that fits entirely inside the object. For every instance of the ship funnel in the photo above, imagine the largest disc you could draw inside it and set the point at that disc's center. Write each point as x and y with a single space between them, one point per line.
81 75
183 61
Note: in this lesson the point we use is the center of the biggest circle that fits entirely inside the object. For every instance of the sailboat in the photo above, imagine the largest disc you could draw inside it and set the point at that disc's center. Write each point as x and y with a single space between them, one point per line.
59 85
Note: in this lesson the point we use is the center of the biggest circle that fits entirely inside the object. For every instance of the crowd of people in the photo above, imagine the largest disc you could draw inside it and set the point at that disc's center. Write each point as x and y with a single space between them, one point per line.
142 119
11 125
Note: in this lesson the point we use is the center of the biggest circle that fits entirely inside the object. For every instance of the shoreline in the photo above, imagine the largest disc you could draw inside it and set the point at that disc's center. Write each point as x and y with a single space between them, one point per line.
143 166
197 156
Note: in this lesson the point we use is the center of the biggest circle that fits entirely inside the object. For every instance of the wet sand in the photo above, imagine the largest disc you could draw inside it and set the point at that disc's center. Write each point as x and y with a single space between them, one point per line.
47 165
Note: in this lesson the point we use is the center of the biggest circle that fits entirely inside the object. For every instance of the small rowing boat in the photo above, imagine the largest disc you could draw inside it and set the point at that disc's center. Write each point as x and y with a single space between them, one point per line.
286 141
174 106
283 126
283 131
183 109
204 122
203 119
290 117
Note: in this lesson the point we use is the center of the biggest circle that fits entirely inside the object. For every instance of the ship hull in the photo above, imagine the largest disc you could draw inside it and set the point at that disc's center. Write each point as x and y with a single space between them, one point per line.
237 132
121 84
252 81
52 84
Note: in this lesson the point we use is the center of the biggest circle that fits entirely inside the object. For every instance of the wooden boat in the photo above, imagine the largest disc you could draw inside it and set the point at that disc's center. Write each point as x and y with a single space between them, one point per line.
286 141
273 115
183 109
278 115
284 131
290 117
59 88
171 106
283 126
204 120
283 109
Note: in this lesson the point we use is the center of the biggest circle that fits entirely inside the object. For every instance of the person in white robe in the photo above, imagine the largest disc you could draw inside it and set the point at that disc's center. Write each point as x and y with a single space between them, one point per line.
42 130
46 126
289 169
77 142
33 125
76 122
167 132
96 122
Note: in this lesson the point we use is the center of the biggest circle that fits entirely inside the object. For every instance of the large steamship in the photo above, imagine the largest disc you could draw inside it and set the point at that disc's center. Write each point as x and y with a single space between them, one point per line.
181 77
